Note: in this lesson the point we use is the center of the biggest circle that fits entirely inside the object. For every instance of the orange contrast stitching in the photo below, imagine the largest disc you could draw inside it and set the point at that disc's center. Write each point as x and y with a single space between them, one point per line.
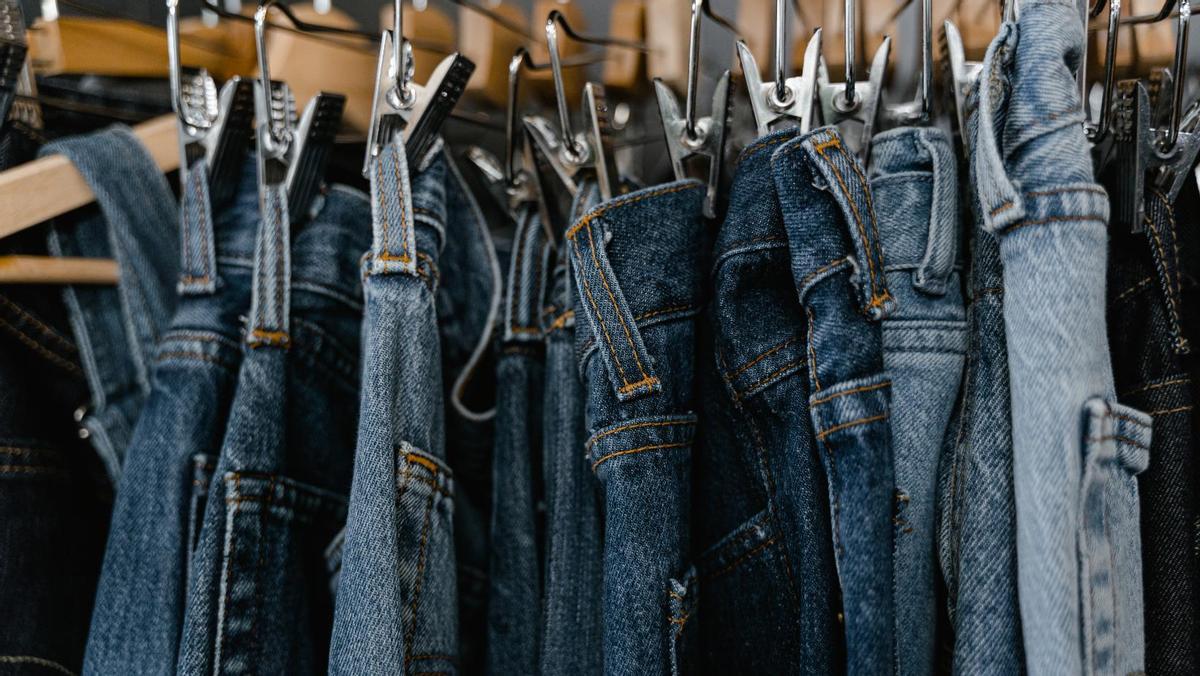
852 423
820 148
616 309
587 288
639 449
742 369
1169 411
638 425
622 202
854 390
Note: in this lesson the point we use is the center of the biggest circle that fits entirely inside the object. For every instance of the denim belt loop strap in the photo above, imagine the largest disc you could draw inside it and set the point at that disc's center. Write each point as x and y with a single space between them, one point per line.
272 275
198 274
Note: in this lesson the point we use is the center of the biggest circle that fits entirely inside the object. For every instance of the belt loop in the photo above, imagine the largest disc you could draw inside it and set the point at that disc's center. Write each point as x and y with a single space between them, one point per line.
270 301
941 247
198 273
847 181
394 241
1000 201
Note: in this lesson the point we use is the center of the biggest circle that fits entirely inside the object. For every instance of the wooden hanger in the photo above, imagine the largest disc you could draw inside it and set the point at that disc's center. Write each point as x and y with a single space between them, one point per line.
490 46
47 187
117 47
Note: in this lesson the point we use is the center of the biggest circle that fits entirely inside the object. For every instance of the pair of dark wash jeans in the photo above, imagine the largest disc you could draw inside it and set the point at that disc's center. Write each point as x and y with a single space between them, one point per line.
160 497
429 272
259 596
762 542
514 602
77 369
796 448
913 177
573 595
636 264
1076 450
1147 274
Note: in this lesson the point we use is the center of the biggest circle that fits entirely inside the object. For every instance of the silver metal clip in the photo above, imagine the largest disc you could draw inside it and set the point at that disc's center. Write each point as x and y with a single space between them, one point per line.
705 142
402 108
786 101
853 106
961 76
13 50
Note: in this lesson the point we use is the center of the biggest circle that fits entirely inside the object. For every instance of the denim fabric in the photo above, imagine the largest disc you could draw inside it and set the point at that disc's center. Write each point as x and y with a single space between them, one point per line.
139 602
1075 451
1146 277
55 494
398 604
837 267
116 328
977 530
259 596
762 545
913 178
514 602
573 596
636 263
468 305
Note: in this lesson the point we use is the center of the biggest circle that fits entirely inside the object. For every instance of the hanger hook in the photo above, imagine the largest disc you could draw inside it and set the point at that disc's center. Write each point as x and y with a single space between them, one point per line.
782 95
572 150
1098 131
1180 72
699 8
402 95
187 116
849 28
271 143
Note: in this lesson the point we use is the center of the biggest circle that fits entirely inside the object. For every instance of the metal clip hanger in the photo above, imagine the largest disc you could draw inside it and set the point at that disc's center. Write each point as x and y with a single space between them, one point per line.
960 76
852 105
569 154
401 107
918 111
214 126
785 100
13 49
1163 155
290 154
1096 131
689 139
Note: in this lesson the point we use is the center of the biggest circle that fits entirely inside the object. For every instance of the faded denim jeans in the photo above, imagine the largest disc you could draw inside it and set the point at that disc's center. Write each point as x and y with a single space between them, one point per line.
1076 451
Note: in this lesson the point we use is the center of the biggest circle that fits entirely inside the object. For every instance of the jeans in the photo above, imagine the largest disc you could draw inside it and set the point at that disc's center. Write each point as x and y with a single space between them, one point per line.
55 494
913 177
1146 307
515 598
636 263
573 596
139 602
259 595
117 346
468 310
83 352
762 541
1076 452
398 592
837 268
976 520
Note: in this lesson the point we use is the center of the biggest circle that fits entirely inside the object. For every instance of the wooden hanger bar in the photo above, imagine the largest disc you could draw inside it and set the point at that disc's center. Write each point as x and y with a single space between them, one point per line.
37 191
52 270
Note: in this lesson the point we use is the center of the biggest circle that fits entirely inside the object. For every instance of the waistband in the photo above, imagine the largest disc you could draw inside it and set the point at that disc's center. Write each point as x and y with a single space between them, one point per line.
1029 151
527 279
618 253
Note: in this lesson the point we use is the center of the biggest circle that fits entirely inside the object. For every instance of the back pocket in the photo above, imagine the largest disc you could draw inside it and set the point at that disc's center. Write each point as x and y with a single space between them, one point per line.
276 611
1116 448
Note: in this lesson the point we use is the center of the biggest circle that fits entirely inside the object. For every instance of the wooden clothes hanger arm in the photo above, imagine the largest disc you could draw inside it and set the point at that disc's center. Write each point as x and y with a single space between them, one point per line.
47 187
